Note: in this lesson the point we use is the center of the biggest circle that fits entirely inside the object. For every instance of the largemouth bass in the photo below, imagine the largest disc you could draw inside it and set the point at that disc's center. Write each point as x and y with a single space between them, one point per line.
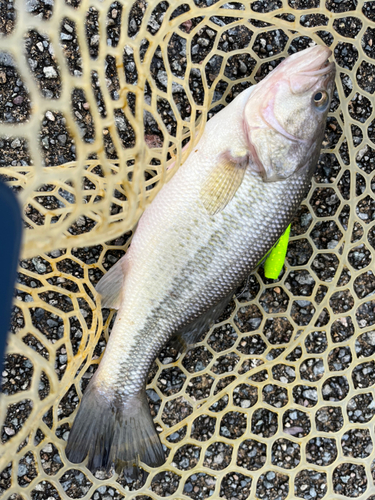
205 231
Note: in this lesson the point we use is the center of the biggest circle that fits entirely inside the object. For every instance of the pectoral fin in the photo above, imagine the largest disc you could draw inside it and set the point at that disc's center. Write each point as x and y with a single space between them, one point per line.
222 183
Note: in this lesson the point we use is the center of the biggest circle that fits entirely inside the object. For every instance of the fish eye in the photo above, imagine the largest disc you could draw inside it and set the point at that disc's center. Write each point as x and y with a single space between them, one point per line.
320 99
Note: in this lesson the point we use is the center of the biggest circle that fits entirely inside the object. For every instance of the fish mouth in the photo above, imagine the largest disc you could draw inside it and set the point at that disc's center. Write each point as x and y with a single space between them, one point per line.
325 69
314 62
314 69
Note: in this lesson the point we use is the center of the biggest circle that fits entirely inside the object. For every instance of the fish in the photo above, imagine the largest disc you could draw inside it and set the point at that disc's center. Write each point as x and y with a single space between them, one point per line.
201 236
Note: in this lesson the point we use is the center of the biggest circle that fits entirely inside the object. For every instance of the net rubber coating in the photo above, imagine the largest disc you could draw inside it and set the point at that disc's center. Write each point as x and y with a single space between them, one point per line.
277 400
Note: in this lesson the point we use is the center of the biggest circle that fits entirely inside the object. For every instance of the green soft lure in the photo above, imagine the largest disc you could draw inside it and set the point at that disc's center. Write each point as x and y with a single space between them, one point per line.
275 260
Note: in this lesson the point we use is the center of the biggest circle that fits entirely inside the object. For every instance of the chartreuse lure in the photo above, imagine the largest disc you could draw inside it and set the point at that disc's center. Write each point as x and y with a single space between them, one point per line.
275 259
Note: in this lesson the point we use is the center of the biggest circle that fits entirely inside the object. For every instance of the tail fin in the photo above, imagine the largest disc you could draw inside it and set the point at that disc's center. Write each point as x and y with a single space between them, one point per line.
114 433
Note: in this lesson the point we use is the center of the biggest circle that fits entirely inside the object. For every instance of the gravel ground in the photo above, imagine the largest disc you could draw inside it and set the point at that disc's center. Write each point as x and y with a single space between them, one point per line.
58 147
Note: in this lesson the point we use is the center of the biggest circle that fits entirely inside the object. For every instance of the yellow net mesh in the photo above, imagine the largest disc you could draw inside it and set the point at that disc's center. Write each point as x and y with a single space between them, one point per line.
277 400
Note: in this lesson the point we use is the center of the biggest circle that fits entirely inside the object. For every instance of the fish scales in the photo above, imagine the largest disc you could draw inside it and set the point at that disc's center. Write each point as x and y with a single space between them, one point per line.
207 228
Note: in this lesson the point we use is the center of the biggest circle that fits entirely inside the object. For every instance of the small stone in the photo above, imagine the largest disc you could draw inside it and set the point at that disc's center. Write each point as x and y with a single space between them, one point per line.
362 215
22 470
304 279
153 141
245 403
121 123
255 322
39 313
195 50
64 36
15 144
188 487
39 266
310 394
224 431
332 244
203 42
199 366
47 93
50 72
133 24
9 431
154 396
153 24
163 79
243 67
188 24
130 67
18 100
62 139
3 77
33 64
47 448
318 368
305 219
50 116
293 430
303 303
6 60
361 153
40 46
80 221
94 40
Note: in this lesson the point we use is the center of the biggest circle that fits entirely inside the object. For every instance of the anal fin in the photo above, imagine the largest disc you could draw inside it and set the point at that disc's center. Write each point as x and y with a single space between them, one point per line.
185 338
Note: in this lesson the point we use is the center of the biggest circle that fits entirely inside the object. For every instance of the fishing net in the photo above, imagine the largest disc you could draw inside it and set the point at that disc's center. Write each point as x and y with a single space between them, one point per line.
97 102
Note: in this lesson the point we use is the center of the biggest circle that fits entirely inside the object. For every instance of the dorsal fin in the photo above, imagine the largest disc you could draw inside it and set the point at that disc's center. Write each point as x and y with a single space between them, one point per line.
111 285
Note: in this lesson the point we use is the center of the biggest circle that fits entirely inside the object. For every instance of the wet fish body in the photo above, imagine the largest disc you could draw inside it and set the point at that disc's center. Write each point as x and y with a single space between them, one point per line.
205 231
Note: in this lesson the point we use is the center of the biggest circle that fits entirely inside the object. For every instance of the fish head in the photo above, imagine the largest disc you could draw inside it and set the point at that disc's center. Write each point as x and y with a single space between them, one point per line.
284 117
